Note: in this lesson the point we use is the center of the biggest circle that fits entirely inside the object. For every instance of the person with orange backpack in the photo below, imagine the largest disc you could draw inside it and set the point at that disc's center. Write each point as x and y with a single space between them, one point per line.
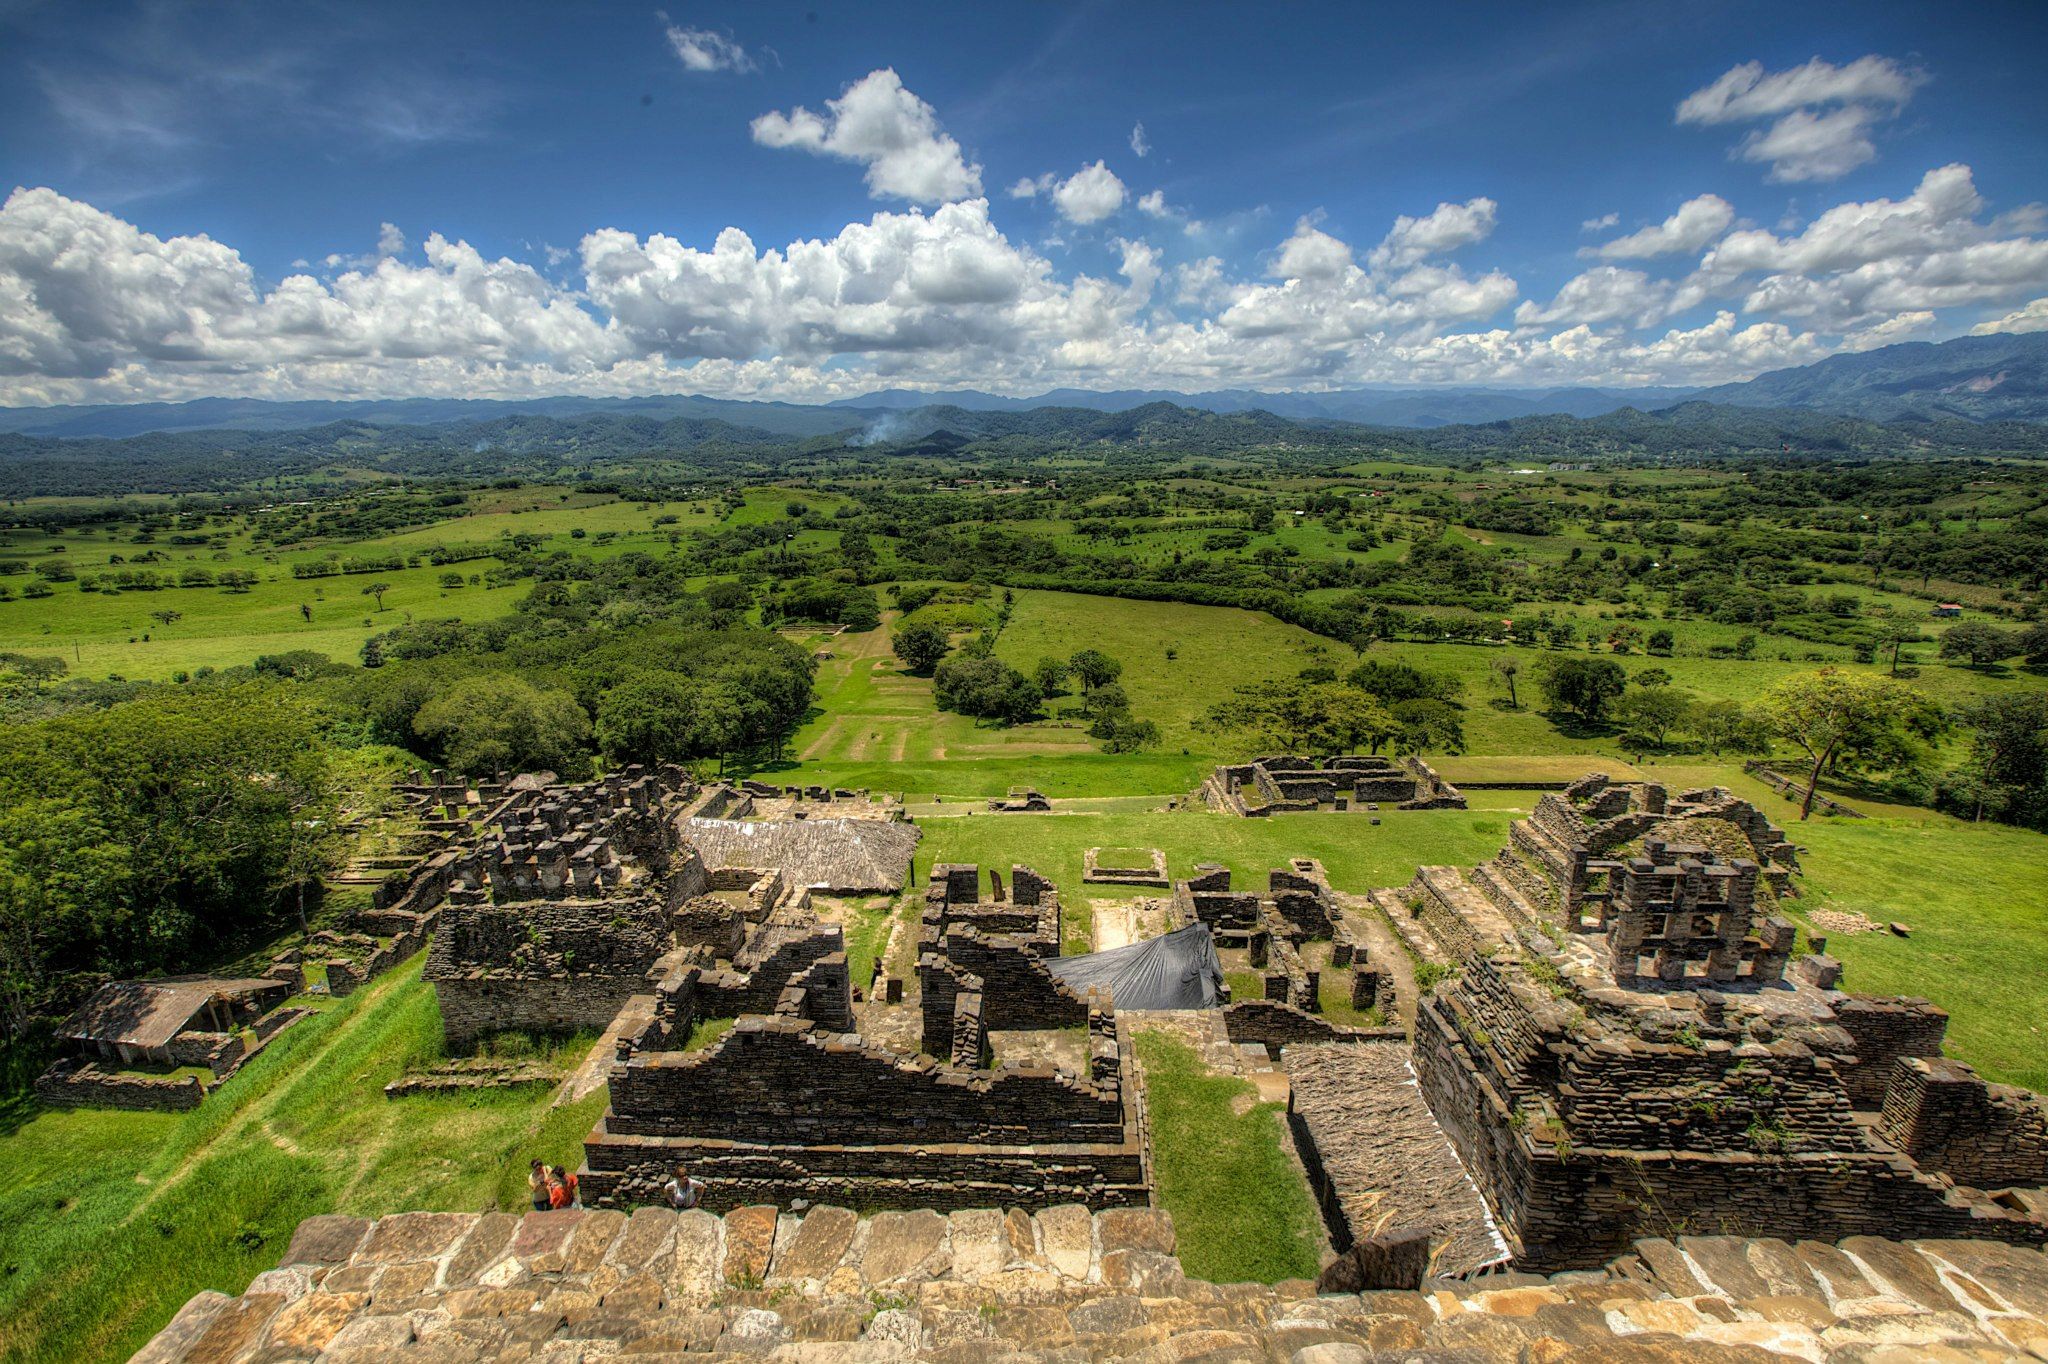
561 1188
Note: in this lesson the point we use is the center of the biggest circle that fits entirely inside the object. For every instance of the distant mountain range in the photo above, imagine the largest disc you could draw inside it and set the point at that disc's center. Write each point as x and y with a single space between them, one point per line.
1407 407
1979 378
1973 378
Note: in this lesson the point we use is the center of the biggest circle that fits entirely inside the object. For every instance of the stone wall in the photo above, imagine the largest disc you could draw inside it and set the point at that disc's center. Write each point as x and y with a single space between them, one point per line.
474 1008
993 1283
1017 990
1565 1205
1276 1025
74 1082
1885 1030
1943 1115
780 1109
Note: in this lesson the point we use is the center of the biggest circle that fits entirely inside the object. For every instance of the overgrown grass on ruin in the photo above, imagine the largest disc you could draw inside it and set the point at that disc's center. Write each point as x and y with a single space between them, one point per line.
1241 1209
114 1219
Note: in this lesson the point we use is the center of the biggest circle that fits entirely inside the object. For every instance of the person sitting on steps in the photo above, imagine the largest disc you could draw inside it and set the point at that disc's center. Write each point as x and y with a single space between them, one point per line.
682 1192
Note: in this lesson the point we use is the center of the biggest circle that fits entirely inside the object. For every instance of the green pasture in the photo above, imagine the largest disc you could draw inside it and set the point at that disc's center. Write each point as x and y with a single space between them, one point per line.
1975 898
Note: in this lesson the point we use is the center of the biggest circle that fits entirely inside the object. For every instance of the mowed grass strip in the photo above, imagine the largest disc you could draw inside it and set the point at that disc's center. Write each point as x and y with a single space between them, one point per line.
1241 1208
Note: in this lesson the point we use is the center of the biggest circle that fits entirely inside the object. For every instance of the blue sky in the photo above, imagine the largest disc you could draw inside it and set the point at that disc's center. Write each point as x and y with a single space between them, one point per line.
305 200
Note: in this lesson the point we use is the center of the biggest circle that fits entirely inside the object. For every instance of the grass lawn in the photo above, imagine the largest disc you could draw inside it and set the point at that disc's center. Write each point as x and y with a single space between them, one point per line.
1976 899
1357 855
115 1219
1240 1207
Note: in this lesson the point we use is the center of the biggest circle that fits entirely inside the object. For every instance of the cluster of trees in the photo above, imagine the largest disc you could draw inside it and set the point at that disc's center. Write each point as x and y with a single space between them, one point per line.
974 682
1379 705
153 834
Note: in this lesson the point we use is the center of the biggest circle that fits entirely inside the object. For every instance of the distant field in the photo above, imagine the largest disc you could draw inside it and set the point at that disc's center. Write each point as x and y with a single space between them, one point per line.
878 726
100 634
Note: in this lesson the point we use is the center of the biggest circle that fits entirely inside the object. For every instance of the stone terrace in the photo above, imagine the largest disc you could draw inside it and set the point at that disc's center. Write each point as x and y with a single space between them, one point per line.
1064 1286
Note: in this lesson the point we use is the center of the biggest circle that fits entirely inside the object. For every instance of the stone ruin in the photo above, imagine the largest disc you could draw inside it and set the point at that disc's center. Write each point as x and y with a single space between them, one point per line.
791 1105
1298 907
1020 800
560 911
1292 784
1617 1048
126 1045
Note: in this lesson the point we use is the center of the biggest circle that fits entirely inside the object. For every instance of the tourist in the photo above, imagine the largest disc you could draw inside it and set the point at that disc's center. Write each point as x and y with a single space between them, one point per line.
537 1186
561 1188
682 1192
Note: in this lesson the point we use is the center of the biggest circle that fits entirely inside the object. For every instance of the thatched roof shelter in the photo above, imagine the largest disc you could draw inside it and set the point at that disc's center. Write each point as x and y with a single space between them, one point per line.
836 856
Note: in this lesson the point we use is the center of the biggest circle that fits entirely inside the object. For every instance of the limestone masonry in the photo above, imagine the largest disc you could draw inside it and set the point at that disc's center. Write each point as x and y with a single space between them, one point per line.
1064 1285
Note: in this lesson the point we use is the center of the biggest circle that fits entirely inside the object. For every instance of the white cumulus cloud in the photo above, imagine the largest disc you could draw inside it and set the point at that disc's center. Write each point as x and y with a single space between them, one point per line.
2031 318
1821 114
1140 144
1697 222
1089 195
888 129
1445 228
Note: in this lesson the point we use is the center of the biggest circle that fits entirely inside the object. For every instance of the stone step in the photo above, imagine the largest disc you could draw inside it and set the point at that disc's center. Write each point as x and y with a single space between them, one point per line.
1063 1284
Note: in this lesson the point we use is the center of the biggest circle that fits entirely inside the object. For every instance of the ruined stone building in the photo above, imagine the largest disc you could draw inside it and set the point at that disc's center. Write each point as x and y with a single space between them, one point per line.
1619 1049
792 1104
1285 784
560 911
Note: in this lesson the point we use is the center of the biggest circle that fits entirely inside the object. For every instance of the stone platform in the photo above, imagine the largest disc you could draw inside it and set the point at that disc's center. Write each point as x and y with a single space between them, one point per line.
1065 1285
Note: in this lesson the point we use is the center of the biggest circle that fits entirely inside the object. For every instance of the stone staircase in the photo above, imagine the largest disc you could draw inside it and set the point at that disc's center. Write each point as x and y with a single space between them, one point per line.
1064 1285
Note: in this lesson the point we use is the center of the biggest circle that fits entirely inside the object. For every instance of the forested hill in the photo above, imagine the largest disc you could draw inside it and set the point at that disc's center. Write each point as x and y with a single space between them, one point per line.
1980 378
646 448
1703 430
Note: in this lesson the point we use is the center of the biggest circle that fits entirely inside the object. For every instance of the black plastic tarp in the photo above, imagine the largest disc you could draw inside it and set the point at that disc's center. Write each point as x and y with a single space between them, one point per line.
1178 971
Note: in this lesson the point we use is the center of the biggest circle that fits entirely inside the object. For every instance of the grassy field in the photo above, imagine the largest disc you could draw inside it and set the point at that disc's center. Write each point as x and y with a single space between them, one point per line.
1358 856
1240 1207
1976 899
101 633
114 1219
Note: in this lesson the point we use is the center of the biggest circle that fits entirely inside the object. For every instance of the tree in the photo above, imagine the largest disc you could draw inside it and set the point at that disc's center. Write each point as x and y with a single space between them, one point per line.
1583 687
1652 713
651 718
167 617
31 670
1821 711
1093 668
377 590
1051 676
919 646
2007 767
1125 735
1893 632
1390 682
1661 642
985 688
1981 644
1725 726
500 721
1295 717
1506 668
1427 726
1107 699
